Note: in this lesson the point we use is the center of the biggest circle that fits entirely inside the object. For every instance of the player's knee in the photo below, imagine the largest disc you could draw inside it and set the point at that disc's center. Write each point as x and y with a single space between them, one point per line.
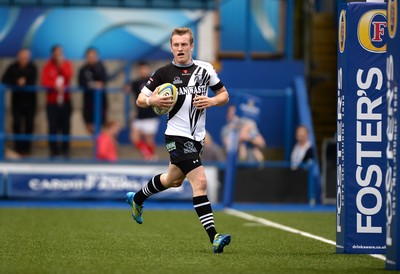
176 183
201 183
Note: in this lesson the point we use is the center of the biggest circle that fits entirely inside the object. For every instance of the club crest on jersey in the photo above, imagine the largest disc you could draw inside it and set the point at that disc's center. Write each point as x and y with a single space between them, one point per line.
177 80
198 78
392 18
189 147
371 31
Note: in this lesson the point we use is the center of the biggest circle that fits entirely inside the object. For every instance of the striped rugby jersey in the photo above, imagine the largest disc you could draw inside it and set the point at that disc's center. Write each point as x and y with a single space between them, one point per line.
191 80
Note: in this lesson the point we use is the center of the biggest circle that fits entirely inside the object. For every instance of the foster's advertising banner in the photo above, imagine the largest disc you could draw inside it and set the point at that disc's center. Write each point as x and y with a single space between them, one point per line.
392 133
361 129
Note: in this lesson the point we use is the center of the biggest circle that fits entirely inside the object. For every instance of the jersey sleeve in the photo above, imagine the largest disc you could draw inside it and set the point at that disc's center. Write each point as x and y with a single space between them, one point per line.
215 82
153 82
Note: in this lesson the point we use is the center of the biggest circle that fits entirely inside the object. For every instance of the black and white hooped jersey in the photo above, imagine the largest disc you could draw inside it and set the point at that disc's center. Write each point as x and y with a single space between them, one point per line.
185 119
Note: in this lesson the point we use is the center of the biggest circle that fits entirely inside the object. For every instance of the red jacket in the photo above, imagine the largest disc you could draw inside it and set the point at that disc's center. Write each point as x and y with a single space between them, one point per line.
106 148
50 74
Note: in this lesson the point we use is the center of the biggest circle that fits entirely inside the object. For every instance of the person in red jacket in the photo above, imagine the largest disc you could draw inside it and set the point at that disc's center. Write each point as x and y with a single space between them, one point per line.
56 76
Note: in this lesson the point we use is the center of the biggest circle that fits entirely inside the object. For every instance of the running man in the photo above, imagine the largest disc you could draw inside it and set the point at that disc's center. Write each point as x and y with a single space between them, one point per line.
185 133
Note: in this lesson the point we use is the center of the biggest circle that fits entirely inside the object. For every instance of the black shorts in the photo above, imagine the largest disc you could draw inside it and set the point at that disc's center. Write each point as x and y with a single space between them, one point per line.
184 152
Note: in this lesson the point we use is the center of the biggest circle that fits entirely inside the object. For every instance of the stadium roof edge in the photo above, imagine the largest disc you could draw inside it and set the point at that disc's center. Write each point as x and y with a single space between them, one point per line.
152 4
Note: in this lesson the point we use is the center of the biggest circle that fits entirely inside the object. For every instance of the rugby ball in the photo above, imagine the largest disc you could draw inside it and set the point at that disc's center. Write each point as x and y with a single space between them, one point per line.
166 89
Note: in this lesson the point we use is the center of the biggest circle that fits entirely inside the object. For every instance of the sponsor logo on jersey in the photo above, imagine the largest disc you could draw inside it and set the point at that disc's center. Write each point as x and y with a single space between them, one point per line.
342 30
371 30
199 90
177 80
185 72
189 147
170 146
392 18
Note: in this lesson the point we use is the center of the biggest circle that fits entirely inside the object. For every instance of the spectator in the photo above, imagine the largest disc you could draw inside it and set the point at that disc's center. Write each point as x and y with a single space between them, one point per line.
251 142
20 74
302 150
106 142
92 78
211 150
145 125
56 76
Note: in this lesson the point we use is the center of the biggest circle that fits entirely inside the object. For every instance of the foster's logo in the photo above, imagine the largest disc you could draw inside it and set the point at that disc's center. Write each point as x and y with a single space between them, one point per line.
392 18
342 31
371 31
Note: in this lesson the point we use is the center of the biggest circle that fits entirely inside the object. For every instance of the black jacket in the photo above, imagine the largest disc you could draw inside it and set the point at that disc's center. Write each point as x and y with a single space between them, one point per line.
11 76
89 74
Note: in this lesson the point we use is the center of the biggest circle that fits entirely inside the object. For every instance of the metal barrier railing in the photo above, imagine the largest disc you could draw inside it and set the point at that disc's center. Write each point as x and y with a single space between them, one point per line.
37 137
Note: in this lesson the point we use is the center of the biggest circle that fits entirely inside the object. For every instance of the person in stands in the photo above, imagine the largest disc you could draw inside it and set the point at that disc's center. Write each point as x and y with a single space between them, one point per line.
19 75
56 77
93 78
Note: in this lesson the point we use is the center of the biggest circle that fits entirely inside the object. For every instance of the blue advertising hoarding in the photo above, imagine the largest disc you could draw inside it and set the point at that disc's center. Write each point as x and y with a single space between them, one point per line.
118 33
361 127
2 186
92 185
58 181
257 26
391 180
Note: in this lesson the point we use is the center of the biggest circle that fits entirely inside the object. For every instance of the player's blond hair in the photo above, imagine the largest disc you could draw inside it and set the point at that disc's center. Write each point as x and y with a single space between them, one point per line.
180 32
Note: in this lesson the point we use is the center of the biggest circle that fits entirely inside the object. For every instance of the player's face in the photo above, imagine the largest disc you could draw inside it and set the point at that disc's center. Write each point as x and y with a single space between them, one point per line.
182 49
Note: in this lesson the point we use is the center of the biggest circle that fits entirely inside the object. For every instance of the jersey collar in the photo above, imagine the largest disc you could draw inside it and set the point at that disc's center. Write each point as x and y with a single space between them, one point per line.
182 66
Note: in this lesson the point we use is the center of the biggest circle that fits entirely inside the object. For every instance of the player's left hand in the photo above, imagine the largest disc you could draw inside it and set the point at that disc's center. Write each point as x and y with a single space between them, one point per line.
203 102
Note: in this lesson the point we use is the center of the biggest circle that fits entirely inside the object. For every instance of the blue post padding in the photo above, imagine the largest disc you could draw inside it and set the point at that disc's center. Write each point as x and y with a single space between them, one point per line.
311 183
392 186
127 101
230 170
288 123
305 118
289 30
97 117
361 135
2 117
2 186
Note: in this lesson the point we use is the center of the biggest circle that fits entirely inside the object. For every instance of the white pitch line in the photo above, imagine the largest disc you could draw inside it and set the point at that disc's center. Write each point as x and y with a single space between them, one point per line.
266 222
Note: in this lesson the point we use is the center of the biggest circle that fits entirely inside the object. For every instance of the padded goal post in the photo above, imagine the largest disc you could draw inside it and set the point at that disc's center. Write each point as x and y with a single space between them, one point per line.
361 127
392 132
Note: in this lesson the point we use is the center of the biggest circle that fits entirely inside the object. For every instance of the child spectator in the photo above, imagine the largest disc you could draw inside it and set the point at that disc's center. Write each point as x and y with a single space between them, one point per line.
106 142
302 150
251 142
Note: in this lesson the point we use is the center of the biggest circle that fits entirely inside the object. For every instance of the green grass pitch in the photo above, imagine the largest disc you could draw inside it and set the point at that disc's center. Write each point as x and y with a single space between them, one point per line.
109 241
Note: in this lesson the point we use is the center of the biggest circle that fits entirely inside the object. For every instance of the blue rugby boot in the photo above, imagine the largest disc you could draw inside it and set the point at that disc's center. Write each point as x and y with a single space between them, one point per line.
220 241
137 211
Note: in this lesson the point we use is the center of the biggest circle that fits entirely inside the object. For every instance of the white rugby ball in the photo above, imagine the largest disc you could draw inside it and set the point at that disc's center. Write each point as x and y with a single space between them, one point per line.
166 89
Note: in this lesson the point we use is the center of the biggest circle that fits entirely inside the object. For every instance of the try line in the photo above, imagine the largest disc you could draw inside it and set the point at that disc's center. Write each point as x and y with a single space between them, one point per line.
266 222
